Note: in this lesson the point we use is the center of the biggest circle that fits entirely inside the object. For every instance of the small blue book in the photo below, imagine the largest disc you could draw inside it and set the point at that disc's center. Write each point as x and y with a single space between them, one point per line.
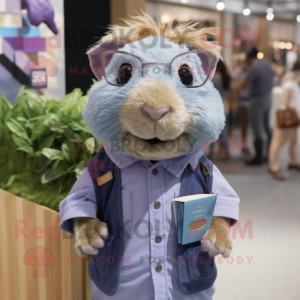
193 216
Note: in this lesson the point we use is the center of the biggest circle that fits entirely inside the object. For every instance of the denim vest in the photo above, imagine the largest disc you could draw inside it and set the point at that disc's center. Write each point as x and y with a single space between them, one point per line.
196 270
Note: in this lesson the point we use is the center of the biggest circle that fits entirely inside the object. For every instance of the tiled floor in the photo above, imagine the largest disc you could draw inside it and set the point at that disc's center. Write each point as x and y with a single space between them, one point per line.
273 210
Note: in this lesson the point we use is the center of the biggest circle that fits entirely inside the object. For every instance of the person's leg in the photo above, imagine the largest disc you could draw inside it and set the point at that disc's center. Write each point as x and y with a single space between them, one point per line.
244 121
266 121
256 119
278 140
293 149
280 137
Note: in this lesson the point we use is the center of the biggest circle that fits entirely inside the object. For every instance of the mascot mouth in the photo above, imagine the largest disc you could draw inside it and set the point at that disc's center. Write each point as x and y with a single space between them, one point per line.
154 141
154 149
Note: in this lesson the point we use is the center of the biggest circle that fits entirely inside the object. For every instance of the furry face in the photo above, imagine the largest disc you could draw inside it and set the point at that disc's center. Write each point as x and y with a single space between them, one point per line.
130 117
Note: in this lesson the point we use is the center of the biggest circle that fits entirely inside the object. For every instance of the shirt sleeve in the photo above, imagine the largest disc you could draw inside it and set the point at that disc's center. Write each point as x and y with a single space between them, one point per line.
81 202
228 201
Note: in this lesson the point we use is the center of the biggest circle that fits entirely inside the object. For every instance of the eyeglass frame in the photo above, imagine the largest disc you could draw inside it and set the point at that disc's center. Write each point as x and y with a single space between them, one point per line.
143 64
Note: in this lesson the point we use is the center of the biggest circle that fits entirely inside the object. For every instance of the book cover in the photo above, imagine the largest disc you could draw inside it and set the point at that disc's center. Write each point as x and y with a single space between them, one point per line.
193 215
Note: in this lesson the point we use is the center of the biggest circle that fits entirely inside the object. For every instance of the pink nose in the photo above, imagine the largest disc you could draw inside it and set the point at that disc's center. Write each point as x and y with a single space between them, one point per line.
155 114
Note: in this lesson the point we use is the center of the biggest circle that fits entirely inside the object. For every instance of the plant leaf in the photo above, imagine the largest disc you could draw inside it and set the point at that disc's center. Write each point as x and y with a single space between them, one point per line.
72 97
90 144
19 141
66 151
18 130
71 135
79 168
51 175
26 149
27 122
10 180
47 142
78 126
39 128
21 91
34 95
33 107
5 106
53 154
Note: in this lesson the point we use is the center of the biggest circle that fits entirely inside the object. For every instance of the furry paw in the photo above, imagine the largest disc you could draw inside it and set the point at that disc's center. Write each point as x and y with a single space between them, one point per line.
216 240
90 235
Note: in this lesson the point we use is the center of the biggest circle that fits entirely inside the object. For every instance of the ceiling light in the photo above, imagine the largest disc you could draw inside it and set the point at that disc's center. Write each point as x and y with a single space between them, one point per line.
276 44
184 1
260 55
298 18
281 45
269 10
288 46
220 5
165 18
246 12
270 17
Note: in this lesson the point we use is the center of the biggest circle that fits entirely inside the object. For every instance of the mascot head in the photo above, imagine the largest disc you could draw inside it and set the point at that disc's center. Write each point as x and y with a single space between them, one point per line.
155 99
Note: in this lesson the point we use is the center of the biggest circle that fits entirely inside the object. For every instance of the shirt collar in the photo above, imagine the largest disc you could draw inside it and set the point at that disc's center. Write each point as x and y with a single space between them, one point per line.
174 165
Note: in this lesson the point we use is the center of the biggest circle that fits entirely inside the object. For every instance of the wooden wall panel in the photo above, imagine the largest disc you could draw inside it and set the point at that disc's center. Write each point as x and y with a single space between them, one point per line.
65 280
121 9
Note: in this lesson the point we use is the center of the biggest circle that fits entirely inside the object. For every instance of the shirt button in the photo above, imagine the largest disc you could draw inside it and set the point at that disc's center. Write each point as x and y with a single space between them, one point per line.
158 268
158 239
155 171
156 204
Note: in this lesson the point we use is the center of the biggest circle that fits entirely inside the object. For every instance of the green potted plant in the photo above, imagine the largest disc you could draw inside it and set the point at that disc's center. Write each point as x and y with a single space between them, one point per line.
44 145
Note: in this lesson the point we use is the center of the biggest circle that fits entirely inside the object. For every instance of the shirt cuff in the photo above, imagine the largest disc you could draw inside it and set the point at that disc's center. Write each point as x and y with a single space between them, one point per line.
81 202
228 201
67 215
226 208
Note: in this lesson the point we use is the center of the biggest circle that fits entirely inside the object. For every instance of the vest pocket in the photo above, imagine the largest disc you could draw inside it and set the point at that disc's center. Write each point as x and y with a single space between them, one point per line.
199 262
127 209
104 257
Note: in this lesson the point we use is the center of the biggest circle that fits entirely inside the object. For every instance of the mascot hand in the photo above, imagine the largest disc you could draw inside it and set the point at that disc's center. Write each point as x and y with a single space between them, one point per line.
90 235
216 240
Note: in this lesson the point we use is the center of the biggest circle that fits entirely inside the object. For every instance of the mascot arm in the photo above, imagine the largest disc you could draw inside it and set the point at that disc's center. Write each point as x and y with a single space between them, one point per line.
217 240
90 235
78 213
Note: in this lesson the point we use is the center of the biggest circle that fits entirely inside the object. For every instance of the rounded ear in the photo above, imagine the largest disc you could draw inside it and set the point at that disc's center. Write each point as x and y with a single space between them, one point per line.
95 52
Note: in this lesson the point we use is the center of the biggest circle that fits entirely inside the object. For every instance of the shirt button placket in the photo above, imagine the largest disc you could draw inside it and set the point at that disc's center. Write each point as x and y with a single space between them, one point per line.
156 190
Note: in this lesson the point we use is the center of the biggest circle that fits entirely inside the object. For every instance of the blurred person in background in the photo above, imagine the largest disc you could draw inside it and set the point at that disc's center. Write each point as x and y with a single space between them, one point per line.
291 99
259 79
242 94
221 81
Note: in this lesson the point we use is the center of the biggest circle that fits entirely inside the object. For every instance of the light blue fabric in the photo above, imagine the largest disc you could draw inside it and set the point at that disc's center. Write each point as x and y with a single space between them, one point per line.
224 146
140 189
105 101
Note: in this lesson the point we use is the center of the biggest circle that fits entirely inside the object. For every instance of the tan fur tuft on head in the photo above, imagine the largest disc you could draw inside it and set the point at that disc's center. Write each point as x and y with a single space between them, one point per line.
141 26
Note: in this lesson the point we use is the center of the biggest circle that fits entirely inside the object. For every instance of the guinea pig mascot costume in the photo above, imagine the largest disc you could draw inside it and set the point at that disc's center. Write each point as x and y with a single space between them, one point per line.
153 108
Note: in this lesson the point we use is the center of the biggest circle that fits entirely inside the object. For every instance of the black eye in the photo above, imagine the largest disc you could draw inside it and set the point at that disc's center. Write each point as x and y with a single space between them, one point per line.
124 74
185 75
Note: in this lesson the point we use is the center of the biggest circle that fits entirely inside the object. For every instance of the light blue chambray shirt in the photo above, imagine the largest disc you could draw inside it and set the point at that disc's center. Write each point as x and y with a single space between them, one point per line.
141 254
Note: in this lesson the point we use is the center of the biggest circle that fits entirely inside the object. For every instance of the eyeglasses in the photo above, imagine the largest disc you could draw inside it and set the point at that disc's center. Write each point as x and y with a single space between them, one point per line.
193 67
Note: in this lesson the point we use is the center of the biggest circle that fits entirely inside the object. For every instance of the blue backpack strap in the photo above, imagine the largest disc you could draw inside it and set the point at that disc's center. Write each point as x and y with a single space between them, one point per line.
104 268
196 270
